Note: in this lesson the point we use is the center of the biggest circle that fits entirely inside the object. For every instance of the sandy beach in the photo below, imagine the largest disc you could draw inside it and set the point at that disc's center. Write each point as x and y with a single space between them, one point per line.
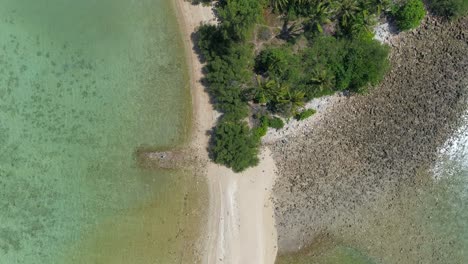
240 225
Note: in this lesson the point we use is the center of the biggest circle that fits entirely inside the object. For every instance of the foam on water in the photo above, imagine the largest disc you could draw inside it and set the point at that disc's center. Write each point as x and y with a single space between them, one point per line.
453 155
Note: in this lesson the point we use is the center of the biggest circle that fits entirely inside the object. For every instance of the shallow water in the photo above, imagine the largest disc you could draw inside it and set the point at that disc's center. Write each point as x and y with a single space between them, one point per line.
83 85
423 222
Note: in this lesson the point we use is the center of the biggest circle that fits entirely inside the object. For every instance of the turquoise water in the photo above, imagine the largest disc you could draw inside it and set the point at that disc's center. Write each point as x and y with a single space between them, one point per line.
83 85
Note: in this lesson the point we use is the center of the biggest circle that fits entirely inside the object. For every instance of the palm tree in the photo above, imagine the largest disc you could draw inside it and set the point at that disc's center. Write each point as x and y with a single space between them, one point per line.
279 5
347 11
289 101
319 16
381 5
322 79
363 22
289 32
296 99
264 91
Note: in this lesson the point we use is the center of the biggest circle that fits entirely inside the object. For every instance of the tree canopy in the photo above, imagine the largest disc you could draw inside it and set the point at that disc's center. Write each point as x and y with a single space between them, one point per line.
274 81
234 145
410 14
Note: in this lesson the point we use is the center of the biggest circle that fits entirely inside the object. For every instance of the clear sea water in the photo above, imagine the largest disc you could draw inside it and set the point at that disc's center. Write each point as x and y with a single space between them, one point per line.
83 85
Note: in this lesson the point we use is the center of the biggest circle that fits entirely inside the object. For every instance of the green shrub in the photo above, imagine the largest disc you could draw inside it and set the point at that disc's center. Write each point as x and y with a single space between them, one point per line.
211 42
234 146
261 130
276 122
305 114
277 62
410 14
333 64
449 8
365 63
226 75
238 17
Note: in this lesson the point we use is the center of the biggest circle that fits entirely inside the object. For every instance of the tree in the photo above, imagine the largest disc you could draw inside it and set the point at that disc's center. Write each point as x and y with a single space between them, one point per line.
362 25
319 16
234 146
275 62
211 42
347 11
364 63
410 14
279 5
288 102
238 17
265 91
380 6
323 79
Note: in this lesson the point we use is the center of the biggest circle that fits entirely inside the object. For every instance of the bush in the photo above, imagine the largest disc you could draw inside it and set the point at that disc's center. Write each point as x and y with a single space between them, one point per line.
277 62
226 75
261 130
448 8
332 64
365 63
305 114
234 146
211 42
410 14
276 122
238 17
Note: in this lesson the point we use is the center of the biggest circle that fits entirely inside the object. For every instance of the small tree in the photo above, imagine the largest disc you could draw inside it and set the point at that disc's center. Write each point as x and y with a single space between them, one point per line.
234 146
305 114
410 14
319 16
276 123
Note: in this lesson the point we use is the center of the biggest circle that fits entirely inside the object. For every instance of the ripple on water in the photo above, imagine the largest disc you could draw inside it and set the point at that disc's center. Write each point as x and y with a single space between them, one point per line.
81 88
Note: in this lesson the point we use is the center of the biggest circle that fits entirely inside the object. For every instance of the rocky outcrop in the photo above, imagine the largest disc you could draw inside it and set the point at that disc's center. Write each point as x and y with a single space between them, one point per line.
166 159
372 144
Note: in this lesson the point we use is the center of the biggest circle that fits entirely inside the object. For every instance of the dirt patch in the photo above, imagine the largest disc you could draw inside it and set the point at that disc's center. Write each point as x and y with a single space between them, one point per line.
370 145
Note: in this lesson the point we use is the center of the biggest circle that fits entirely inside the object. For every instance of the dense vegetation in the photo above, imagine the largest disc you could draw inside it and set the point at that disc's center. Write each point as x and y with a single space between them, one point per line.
234 145
410 14
266 71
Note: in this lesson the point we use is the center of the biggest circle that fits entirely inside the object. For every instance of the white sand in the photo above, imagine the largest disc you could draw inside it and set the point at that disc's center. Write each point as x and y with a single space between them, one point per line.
295 128
241 227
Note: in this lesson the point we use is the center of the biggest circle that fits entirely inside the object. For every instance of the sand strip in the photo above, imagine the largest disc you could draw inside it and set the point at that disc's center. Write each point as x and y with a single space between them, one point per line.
241 227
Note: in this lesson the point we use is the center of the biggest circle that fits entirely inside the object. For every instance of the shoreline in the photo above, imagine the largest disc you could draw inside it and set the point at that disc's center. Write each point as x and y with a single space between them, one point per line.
348 178
241 225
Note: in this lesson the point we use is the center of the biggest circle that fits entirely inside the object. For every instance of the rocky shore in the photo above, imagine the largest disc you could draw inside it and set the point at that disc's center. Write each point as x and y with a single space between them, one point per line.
365 147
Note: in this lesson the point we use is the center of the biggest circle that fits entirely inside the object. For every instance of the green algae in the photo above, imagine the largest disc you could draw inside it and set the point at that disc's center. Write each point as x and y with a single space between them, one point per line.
83 84
336 254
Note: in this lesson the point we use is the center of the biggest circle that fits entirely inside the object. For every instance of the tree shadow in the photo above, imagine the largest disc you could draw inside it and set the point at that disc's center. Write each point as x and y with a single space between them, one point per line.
195 37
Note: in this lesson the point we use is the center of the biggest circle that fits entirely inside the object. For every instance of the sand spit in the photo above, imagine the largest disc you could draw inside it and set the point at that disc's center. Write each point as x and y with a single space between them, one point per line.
367 146
240 225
